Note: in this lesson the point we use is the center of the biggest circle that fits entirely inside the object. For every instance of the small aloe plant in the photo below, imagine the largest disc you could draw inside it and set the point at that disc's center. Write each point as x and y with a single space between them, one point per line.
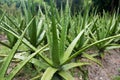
104 28
8 59
34 34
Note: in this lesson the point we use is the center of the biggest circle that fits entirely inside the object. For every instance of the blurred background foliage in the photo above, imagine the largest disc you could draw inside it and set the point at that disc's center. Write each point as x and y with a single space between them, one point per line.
107 5
12 6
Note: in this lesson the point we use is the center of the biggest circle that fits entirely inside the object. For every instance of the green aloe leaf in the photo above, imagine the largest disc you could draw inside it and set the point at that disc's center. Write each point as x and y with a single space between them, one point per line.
4 44
64 26
54 45
34 61
29 14
2 16
113 46
8 59
90 57
71 47
39 27
41 37
12 21
22 63
49 73
73 65
66 75
90 45
27 43
10 37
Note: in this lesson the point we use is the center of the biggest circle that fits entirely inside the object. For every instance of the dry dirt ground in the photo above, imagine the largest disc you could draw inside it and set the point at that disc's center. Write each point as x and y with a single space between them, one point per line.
2 37
110 69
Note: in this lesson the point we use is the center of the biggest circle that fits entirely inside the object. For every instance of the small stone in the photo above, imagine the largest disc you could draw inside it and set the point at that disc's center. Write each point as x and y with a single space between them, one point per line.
101 78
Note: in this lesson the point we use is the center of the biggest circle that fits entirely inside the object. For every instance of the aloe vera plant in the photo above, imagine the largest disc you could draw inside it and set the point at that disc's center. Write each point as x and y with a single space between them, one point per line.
35 33
7 61
104 28
67 38
61 63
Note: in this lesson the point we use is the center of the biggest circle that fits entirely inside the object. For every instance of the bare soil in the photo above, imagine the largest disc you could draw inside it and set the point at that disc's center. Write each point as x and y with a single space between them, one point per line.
110 68
2 37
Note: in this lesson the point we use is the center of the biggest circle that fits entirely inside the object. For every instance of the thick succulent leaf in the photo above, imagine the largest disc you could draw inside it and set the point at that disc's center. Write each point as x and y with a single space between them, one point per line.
113 46
8 59
4 44
24 9
2 16
29 14
12 40
71 47
90 45
22 63
10 37
33 33
62 41
47 60
27 43
107 44
39 27
90 57
49 73
64 27
8 26
54 45
41 37
73 65
13 22
36 77
34 61
66 75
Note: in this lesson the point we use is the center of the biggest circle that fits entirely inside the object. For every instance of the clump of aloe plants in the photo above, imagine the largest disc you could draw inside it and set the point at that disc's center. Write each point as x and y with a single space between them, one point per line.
55 38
